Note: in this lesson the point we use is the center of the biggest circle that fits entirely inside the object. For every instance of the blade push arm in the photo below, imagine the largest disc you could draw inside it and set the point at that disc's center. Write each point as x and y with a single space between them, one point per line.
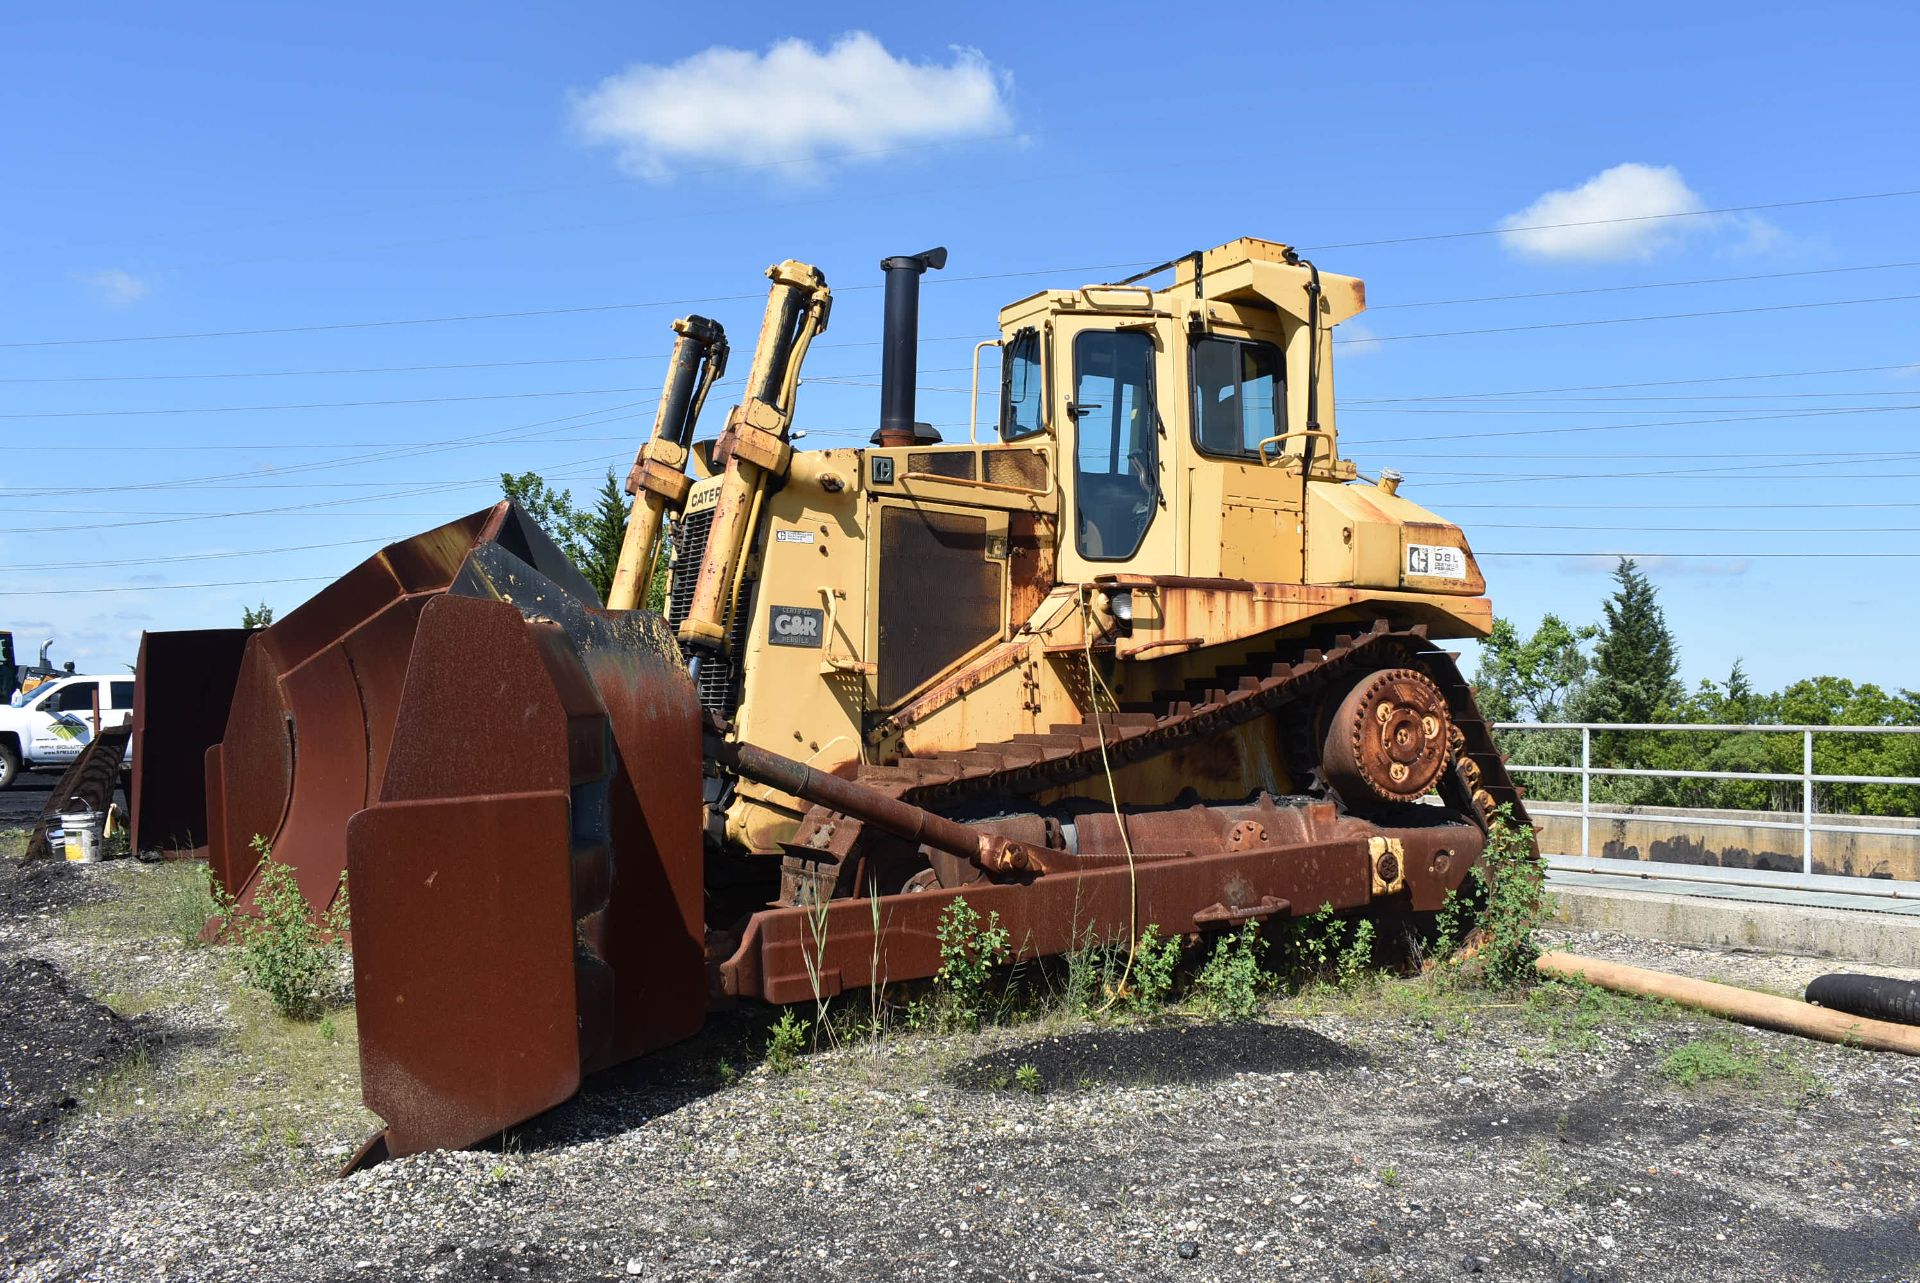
658 481
754 447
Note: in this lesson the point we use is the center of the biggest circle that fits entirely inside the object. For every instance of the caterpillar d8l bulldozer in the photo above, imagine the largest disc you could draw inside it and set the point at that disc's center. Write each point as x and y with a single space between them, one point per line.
1152 653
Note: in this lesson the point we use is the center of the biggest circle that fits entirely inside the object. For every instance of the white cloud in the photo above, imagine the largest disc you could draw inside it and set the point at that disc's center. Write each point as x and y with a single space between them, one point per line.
796 104
1356 338
115 287
1626 212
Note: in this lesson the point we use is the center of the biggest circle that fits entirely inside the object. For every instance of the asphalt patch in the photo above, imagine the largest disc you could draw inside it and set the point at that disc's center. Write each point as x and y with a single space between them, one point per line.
52 1039
1158 1054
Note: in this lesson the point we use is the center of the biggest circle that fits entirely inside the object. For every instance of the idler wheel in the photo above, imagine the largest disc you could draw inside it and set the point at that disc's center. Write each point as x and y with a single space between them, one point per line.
1388 738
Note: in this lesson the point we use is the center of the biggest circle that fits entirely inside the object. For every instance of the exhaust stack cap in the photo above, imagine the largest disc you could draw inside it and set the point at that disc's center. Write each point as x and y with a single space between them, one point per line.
899 348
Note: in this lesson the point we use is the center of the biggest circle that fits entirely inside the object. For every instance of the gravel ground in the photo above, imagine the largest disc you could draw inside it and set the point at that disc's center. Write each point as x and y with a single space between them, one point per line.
1416 1133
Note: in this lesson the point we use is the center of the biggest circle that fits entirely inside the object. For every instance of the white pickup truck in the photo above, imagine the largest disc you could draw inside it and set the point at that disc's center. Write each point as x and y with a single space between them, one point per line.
55 721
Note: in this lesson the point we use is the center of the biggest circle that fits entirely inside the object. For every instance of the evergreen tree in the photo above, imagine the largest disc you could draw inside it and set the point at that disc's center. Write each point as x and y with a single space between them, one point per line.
589 537
1636 667
601 529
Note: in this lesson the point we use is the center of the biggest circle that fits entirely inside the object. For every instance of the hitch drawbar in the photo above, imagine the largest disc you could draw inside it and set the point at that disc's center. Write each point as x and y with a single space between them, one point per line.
990 852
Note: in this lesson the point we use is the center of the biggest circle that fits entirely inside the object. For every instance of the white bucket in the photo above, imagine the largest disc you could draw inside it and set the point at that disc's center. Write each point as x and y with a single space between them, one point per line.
81 836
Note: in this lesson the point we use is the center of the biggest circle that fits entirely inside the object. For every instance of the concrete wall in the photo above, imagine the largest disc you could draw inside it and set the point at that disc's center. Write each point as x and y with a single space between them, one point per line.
1735 847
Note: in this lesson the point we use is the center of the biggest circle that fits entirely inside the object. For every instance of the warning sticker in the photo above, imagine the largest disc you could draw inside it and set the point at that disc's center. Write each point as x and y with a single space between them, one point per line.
1436 561
793 536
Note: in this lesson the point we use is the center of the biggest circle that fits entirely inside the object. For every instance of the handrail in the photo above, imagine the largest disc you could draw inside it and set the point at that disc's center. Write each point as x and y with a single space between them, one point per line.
1309 433
973 407
1806 777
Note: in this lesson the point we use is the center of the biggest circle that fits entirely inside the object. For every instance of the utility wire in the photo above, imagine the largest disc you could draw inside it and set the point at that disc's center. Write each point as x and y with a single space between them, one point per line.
1602 222
1645 285
944 280
1631 320
1624 427
1656 383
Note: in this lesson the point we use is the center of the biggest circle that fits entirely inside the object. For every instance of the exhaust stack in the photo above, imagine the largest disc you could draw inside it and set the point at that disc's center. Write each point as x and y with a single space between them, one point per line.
900 344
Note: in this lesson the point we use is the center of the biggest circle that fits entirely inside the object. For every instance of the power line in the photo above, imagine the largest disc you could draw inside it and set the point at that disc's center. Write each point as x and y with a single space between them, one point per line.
944 280
230 583
1647 285
1712 530
1602 222
1668 507
1714 556
116 562
1623 427
1631 320
1656 383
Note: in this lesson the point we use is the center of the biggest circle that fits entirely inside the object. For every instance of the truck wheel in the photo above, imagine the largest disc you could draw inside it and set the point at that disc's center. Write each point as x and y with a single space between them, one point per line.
9 764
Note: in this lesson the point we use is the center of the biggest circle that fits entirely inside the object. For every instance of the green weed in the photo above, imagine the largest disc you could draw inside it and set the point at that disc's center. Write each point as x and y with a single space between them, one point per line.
284 953
970 952
784 1045
1230 984
1714 1059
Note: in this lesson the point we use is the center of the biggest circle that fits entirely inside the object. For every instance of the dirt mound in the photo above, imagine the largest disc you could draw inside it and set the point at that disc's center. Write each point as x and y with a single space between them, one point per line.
1158 1054
51 1039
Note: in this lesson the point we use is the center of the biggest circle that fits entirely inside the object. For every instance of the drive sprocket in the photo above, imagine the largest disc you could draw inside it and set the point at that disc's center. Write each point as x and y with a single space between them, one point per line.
1388 739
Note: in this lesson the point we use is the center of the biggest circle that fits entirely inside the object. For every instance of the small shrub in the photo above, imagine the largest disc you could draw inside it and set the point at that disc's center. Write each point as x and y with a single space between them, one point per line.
327 1031
1706 1060
284 954
1154 963
1711 1061
1354 964
1315 942
193 898
725 1072
784 1046
1230 984
970 952
1027 1079
1452 924
1516 881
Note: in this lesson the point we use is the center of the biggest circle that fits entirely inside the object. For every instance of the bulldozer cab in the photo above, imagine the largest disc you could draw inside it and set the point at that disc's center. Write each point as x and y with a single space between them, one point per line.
1189 418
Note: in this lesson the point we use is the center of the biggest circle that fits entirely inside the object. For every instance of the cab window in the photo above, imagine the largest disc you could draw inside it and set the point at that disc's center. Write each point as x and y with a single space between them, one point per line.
1021 393
74 697
122 695
1116 453
1239 396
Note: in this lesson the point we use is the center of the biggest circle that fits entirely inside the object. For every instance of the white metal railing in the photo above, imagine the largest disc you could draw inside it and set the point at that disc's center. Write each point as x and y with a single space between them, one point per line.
1806 777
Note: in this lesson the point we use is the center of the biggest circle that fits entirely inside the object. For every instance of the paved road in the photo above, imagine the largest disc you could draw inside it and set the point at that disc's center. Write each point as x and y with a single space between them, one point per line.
21 805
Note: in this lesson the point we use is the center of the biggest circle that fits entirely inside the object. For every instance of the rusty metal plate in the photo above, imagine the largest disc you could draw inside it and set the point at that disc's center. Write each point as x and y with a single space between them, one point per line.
595 809
463 965
182 688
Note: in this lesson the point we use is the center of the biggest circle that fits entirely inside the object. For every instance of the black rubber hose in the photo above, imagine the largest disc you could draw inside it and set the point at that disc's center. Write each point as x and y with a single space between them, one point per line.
1874 996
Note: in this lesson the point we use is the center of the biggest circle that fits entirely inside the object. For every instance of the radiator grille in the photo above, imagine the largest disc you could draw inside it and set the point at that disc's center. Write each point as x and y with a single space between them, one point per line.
719 684
689 545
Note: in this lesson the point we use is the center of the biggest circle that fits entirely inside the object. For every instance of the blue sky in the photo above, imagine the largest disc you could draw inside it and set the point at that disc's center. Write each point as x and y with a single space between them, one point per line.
205 169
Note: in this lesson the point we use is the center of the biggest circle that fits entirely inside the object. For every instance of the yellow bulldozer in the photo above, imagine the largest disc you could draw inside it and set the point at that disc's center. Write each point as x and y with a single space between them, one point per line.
1144 651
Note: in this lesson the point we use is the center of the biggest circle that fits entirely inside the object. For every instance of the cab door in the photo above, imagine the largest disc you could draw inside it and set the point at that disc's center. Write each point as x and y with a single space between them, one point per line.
1120 514
1239 403
60 723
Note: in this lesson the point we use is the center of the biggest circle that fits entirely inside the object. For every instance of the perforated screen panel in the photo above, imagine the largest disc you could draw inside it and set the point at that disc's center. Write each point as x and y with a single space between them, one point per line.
939 595
1025 468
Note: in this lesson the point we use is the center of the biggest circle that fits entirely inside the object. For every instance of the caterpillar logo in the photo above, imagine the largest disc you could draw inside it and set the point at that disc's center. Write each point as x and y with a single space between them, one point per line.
795 626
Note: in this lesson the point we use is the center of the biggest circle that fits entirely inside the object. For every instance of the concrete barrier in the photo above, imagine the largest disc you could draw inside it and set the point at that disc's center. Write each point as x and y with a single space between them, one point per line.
1660 833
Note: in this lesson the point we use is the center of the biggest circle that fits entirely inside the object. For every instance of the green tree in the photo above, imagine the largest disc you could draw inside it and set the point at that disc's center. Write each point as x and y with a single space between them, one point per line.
1532 680
590 537
1636 666
256 616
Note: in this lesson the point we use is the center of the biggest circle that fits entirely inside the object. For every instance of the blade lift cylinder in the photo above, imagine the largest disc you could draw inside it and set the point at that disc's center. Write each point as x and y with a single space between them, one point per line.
658 480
